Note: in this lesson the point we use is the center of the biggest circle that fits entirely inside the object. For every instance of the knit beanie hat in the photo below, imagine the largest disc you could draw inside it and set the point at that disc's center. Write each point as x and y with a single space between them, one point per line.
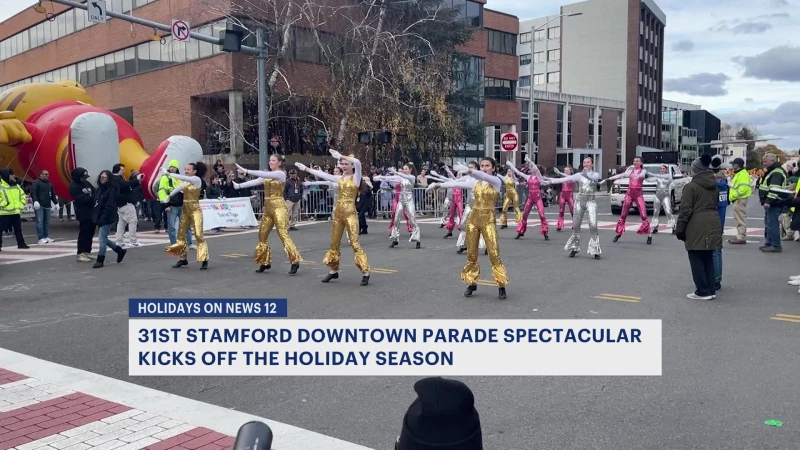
701 163
443 417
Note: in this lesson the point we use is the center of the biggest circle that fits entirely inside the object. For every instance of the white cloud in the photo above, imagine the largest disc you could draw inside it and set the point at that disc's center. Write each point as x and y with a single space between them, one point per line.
9 8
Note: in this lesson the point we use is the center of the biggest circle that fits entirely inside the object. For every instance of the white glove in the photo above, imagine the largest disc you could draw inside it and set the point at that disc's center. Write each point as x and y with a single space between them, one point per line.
36 206
164 171
241 170
510 163
87 191
433 172
460 168
236 185
334 153
432 187
301 166
528 160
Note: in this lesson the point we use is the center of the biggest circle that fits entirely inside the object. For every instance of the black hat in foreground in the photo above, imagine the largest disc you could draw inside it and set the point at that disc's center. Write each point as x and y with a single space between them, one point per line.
443 417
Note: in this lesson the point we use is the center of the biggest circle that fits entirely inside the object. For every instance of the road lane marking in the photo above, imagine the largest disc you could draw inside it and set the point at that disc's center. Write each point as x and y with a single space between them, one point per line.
786 318
618 298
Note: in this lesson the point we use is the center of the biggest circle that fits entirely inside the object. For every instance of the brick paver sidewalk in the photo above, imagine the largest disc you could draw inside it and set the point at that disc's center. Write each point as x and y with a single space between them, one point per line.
35 414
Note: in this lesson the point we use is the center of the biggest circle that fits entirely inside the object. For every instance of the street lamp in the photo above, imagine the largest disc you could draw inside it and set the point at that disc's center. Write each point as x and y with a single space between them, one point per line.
533 49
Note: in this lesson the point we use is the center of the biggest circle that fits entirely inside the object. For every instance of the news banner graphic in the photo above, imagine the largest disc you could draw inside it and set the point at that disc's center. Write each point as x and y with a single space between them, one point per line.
230 337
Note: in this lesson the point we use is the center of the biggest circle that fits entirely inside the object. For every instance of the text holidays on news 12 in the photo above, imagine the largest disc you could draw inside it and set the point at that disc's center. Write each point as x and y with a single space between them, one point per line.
212 308
252 347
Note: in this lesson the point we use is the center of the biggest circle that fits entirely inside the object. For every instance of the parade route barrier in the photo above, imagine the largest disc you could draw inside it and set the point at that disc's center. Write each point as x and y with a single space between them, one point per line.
228 213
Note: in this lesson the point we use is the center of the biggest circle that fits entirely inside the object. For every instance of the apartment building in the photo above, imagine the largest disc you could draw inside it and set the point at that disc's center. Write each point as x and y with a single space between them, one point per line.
601 49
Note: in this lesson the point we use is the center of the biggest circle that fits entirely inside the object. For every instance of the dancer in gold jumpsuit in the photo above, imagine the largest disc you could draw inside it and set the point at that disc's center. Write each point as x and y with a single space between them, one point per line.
275 214
344 215
482 223
192 215
512 198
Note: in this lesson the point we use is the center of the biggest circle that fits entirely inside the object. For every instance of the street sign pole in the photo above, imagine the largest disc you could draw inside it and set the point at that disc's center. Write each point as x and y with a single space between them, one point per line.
260 52
261 61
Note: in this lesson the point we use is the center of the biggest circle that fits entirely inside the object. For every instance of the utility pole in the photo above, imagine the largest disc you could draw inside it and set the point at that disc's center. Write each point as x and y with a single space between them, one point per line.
260 52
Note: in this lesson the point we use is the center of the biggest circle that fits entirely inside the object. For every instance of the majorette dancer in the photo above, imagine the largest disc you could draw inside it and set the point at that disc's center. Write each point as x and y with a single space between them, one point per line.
406 181
448 197
275 214
455 212
344 215
565 198
663 199
636 174
334 187
482 222
192 215
398 192
535 183
511 197
587 181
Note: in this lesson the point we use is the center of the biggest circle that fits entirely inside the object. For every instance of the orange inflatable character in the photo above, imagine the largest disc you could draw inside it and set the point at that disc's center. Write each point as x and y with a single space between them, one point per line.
56 127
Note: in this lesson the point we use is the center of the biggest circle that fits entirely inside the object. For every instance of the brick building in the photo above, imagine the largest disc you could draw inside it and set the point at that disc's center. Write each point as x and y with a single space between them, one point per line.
164 87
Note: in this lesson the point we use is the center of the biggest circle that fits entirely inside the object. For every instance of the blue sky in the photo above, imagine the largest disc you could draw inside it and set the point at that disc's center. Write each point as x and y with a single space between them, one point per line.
738 59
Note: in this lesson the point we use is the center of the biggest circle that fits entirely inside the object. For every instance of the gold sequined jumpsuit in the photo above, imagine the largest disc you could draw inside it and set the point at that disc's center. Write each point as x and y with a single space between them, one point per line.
192 216
512 198
275 216
345 217
481 222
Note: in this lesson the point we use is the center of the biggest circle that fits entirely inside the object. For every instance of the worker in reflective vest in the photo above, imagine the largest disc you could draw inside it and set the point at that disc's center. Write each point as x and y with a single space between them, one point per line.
12 203
740 191
775 177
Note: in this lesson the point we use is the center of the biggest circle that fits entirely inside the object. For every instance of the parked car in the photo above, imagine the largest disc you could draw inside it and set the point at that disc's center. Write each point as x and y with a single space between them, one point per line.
620 188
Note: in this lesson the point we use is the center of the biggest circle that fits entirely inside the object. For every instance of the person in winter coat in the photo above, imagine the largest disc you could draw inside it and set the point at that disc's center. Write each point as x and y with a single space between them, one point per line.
104 214
12 203
699 227
722 208
82 193
43 196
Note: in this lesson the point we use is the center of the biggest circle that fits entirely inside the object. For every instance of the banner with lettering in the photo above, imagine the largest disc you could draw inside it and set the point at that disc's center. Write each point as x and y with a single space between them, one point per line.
228 212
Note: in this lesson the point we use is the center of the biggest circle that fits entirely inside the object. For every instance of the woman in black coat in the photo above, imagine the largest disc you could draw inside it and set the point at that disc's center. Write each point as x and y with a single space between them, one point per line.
700 228
104 214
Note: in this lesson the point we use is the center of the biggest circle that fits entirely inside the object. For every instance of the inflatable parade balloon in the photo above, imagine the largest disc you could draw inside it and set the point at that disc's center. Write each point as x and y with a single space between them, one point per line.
56 127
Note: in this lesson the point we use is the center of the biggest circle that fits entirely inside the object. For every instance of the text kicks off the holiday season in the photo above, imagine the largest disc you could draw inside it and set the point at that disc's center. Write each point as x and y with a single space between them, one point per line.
235 337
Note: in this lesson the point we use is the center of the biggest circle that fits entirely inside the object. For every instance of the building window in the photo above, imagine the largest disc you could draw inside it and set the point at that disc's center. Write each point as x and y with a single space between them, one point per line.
619 135
560 126
524 60
526 124
524 37
569 126
538 57
525 81
499 89
538 79
554 33
553 77
305 46
591 126
500 42
600 128
538 35
535 127
554 55
496 140
468 10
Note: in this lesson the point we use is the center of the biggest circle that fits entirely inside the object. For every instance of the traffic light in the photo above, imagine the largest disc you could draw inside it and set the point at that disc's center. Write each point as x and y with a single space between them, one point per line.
232 38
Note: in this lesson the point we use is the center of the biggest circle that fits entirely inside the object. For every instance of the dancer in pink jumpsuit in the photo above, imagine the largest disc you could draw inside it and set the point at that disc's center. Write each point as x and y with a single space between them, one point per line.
398 189
565 198
535 182
636 176
455 211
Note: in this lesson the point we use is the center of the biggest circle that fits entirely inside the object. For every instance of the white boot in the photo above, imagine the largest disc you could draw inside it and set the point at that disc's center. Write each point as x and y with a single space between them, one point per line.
795 277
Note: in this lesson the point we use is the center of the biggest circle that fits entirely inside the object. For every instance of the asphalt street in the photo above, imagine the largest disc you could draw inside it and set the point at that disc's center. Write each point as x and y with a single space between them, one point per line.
728 365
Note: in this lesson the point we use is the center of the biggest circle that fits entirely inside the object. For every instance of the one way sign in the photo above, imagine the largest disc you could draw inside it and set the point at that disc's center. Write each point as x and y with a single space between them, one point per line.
97 11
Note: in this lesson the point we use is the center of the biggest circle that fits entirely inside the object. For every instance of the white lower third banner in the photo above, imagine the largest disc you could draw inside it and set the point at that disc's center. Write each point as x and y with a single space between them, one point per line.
228 212
278 347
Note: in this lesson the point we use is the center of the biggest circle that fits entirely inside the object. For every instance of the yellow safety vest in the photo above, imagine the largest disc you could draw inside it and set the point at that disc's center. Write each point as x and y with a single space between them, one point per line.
740 186
765 187
12 199
796 192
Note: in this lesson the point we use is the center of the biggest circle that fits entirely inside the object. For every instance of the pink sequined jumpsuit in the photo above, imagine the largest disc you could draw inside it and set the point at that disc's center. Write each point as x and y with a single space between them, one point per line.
456 210
564 199
534 198
634 194
397 191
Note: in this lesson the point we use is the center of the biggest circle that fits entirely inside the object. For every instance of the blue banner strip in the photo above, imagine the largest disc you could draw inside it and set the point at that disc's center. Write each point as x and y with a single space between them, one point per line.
207 307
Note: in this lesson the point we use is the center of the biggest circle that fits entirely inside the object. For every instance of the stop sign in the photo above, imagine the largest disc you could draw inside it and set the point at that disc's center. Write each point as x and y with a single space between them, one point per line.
509 142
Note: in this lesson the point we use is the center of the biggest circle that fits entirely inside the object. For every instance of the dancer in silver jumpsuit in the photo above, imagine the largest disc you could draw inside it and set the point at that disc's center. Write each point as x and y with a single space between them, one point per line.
406 203
663 199
584 204
468 184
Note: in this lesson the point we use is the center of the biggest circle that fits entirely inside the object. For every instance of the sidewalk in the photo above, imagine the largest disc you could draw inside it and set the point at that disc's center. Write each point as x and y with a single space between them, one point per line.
47 406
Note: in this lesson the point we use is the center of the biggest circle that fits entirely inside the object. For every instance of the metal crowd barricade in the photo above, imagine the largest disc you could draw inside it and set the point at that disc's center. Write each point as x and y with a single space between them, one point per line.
317 203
